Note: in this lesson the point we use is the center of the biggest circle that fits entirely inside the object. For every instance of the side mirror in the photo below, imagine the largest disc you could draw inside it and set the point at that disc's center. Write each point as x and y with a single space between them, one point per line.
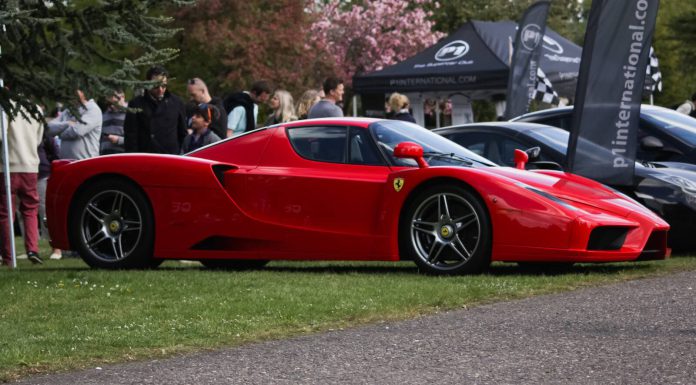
533 152
410 150
521 159
651 143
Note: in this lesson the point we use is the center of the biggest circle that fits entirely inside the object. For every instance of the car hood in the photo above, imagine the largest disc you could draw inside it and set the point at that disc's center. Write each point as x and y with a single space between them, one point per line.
675 165
576 189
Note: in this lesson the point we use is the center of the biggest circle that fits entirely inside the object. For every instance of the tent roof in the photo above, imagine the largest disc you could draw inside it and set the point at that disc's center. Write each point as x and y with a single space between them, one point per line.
474 58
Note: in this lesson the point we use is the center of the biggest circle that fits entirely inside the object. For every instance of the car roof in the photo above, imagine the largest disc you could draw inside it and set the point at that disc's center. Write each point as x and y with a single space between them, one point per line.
361 122
567 109
512 126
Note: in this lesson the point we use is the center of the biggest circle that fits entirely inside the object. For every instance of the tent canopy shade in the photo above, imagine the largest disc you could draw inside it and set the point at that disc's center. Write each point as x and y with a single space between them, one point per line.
474 60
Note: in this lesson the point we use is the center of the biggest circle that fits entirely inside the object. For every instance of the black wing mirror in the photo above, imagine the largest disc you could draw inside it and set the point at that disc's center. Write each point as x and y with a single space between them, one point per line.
533 152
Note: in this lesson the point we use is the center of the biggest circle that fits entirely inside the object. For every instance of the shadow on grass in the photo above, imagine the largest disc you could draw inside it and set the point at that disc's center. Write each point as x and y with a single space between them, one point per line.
405 268
378 268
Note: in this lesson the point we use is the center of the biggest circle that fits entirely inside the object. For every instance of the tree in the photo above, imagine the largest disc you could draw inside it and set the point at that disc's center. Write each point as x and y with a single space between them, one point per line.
230 43
674 45
52 48
359 38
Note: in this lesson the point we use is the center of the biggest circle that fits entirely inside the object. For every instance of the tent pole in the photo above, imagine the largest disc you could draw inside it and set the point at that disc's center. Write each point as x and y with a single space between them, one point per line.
6 171
6 174
355 105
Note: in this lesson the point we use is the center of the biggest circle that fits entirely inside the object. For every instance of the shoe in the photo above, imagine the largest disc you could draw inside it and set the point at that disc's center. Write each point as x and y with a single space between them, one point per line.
56 256
34 258
21 256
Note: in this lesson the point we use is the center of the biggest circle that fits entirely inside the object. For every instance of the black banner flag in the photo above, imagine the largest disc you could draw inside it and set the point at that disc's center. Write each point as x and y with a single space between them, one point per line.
603 138
522 80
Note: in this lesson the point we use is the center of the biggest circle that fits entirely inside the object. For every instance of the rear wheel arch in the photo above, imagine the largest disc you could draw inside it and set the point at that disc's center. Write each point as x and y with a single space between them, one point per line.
128 186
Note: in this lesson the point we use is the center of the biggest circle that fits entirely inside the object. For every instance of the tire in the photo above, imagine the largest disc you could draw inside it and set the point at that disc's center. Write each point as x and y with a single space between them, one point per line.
446 230
112 226
234 264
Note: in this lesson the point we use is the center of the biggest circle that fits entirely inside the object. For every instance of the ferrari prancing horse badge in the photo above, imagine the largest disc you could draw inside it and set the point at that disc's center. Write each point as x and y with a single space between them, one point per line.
398 184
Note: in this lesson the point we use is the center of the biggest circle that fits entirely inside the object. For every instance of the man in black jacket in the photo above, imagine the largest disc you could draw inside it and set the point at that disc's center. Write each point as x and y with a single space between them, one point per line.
242 108
160 124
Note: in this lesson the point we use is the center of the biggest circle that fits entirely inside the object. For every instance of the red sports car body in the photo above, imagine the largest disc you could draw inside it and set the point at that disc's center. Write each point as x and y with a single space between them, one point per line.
342 189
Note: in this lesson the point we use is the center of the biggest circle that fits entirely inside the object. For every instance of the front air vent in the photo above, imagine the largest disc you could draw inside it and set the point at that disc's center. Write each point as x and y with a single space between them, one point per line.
656 247
607 238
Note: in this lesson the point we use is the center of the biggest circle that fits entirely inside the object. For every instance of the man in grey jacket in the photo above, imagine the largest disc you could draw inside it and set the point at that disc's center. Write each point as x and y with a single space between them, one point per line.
327 108
79 138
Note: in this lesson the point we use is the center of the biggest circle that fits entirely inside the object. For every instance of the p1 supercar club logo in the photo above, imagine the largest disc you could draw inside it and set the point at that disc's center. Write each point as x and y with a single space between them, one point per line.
552 45
452 51
531 36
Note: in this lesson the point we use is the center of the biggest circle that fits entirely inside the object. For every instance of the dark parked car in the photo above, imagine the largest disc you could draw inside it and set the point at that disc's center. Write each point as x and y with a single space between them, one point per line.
663 134
669 192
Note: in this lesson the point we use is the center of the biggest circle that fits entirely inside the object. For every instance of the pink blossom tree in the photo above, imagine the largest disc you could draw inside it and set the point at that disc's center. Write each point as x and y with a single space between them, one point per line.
366 38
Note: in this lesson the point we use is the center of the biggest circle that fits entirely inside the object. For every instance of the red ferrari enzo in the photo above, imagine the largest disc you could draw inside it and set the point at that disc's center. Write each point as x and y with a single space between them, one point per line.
341 189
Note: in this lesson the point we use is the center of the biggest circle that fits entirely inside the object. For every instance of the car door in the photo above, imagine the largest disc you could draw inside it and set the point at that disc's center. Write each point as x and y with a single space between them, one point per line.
327 182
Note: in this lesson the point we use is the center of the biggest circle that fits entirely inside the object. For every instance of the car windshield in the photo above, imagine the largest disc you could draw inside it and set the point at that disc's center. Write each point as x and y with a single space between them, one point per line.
552 137
680 125
437 150
557 139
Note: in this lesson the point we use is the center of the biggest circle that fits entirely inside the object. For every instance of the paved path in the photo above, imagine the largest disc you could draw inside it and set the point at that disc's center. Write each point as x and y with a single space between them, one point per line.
639 332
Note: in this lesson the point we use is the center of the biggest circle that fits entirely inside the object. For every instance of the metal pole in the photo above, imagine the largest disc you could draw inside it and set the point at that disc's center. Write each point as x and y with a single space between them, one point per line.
355 105
437 112
6 170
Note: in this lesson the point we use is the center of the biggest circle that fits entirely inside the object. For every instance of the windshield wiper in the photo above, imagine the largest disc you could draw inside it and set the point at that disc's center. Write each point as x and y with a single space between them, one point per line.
447 155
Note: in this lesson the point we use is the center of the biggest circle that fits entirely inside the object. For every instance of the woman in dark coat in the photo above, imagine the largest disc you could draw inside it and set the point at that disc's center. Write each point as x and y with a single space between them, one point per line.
399 106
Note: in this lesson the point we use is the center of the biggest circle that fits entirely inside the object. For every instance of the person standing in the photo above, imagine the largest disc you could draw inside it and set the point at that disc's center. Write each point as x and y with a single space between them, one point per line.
79 137
243 110
202 135
198 94
308 99
113 117
23 138
398 103
48 152
159 125
326 107
689 106
283 108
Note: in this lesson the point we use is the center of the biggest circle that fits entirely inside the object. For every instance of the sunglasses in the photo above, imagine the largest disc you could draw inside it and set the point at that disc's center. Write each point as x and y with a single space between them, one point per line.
207 109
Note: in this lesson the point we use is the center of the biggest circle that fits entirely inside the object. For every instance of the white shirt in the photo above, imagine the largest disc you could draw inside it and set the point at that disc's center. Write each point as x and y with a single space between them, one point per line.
236 120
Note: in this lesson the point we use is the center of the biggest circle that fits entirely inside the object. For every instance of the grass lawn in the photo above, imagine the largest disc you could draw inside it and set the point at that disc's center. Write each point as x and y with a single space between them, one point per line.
63 315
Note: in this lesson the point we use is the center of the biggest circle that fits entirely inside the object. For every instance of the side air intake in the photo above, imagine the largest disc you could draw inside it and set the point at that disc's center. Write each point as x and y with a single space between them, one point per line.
219 171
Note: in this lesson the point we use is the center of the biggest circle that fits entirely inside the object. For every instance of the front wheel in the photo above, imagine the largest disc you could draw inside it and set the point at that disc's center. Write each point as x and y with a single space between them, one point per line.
112 226
446 231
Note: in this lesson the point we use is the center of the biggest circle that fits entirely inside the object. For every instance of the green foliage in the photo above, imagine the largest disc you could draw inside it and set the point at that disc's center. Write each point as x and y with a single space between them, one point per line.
52 48
674 39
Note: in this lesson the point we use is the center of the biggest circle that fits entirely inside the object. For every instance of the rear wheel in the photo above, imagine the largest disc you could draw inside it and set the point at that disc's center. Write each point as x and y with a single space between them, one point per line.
112 226
446 230
234 264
